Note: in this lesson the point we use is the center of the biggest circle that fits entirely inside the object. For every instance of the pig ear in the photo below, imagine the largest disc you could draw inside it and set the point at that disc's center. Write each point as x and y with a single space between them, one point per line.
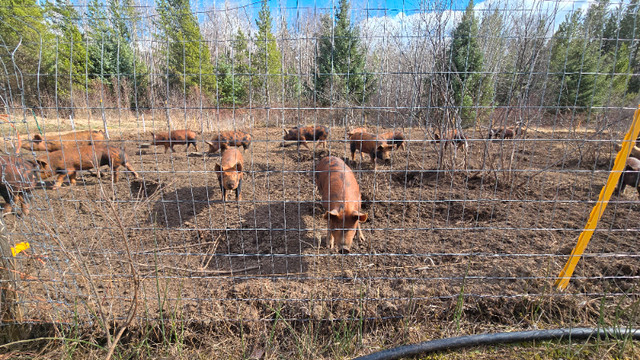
218 168
332 213
362 217
239 167
208 143
285 131
224 146
37 137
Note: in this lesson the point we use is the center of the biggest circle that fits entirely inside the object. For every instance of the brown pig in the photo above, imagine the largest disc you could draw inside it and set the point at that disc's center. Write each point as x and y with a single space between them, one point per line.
307 133
57 142
452 136
342 200
376 147
502 133
68 161
18 179
230 171
176 137
394 138
230 138
630 176
355 131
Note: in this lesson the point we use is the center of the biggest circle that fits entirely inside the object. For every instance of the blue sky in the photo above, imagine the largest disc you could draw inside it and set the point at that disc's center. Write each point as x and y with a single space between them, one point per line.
390 9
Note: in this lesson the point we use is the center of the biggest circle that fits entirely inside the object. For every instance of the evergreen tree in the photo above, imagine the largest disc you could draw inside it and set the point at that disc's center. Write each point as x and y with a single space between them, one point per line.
67 64
189 59
630 30
233 72
111 53
574 60
468 85
24 34
266 61
340 72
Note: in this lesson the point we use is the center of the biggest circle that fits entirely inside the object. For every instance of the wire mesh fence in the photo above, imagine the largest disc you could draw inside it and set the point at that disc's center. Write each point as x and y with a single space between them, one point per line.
510 115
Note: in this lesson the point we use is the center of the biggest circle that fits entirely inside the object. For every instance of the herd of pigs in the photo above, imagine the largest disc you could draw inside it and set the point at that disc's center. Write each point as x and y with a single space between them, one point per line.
86 150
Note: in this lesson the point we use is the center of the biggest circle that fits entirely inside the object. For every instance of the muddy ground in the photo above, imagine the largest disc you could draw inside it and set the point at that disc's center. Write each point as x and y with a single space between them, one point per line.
493 232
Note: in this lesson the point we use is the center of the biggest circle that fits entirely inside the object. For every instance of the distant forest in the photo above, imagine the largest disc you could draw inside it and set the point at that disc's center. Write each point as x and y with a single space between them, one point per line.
113 53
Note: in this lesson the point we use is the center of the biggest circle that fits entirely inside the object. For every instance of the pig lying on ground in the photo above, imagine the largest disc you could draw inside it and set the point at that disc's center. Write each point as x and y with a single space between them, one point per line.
68 161
342 200
307 133
176 137
230 171
230 138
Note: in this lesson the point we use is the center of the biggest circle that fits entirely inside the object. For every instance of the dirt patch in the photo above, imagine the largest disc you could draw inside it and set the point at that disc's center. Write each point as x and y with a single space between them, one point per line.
432 234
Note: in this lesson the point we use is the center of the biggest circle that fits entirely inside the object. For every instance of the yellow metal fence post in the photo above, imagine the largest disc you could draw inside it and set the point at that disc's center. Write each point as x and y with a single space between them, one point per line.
605 194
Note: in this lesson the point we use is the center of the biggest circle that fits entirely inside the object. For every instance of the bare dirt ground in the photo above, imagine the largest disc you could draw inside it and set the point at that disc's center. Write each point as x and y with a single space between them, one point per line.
474 248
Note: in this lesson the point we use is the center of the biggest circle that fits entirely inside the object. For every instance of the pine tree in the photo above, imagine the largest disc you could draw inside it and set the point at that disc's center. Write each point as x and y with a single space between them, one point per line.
266 61
189 59
24 35
67 64
630 29
574 59
468 84
111 52
233 70
340 73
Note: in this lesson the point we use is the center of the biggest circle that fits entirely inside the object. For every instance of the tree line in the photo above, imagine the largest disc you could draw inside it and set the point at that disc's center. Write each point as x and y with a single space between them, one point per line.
462 66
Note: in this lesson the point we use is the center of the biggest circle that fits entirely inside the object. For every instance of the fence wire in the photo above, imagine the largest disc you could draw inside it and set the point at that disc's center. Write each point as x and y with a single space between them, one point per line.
511 115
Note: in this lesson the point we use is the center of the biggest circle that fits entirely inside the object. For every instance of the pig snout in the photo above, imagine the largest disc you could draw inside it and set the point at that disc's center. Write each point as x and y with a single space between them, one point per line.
384 154
230 182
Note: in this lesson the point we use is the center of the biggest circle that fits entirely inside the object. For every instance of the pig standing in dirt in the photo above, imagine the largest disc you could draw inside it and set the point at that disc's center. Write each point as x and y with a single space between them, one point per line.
307 133
230 138
68 161
342 200
57 142
394 138
355 131
502 133
374 146
452 136
630 176
18 179
230 171
176 137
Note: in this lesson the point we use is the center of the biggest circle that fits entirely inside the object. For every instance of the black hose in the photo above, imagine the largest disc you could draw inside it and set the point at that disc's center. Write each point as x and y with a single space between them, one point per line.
499 338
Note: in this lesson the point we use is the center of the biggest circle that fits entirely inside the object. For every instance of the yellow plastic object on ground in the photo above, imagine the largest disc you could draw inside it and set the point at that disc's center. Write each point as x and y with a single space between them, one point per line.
19 247
605 194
